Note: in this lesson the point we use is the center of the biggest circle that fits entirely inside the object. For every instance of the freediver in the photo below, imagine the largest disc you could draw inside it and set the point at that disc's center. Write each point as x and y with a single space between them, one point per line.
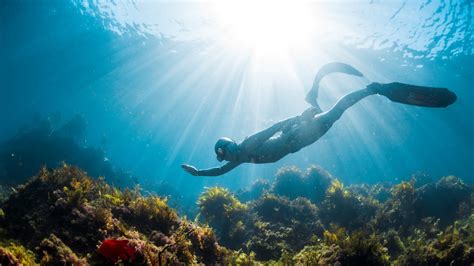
300 131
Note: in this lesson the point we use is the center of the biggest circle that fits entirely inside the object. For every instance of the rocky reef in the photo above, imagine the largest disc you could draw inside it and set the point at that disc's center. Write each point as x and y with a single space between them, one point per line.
62 216
310 218
303 217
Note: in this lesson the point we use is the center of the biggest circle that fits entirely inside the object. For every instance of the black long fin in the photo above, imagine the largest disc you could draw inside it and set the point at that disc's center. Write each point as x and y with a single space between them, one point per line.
418 95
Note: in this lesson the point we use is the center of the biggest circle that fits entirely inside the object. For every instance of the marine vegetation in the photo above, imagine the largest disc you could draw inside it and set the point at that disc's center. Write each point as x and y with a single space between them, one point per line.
292 222
256 190
281 225
347 209
225 213
291 182
63 216
337 246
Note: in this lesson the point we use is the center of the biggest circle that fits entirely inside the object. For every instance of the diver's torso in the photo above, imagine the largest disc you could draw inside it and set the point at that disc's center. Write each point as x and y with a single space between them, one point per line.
289 141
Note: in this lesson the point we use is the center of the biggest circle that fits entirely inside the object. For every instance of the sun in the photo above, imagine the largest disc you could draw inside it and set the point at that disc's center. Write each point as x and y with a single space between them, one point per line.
266 26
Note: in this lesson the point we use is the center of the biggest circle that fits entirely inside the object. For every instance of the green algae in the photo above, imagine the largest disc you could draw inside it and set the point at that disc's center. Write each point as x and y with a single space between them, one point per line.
63 215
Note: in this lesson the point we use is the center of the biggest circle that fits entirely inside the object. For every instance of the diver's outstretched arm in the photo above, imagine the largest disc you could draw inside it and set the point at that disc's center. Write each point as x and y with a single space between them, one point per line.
257 139
211 171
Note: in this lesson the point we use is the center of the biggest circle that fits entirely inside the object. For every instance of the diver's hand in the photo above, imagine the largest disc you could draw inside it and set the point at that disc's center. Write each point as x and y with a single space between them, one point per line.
190 169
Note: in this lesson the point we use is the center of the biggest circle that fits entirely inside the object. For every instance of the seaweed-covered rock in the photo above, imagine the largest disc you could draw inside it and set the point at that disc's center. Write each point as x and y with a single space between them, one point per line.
256 190
339 248
343 208
58 202
444 199
148 214
4 193
291 182
400 211
64 215
282 224
453 246
226 214
378 191
447 200
12 253
318 181
55 251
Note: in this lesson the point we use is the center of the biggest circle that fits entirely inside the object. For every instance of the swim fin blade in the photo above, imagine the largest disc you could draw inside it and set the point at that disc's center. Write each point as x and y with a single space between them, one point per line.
335 67
417 95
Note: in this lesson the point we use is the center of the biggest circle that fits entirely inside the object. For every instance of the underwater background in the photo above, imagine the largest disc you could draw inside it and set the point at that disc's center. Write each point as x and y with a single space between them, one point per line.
130 90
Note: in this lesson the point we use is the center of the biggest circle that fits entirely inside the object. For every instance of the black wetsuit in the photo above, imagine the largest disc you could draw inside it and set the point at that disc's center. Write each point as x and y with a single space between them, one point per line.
296 133
300 131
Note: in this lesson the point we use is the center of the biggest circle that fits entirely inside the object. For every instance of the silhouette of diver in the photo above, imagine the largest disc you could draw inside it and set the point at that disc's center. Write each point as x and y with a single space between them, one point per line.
300 131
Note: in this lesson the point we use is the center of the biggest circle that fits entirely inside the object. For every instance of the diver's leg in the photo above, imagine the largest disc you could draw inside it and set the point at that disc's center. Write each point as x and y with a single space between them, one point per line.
345 102
396 92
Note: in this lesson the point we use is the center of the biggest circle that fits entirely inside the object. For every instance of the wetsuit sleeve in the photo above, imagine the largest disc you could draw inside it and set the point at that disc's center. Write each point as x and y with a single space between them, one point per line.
259 138
218 170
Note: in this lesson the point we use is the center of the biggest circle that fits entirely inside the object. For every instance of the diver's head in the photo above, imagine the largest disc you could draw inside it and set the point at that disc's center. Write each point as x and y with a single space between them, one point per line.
226 149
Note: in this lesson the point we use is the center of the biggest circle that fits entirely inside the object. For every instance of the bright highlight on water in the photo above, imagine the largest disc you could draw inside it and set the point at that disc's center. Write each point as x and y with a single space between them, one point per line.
269 28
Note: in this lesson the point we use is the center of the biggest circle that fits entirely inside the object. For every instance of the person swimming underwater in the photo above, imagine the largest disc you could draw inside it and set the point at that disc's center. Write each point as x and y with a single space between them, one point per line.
300 131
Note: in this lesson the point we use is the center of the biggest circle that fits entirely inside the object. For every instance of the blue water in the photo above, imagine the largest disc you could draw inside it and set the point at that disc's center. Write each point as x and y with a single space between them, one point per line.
157 86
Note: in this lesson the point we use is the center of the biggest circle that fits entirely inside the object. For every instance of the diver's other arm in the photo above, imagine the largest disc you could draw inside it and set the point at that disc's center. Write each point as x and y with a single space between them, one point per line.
216 171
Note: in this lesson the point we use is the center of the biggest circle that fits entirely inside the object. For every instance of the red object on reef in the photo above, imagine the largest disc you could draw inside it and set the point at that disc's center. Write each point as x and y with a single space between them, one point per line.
114 250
